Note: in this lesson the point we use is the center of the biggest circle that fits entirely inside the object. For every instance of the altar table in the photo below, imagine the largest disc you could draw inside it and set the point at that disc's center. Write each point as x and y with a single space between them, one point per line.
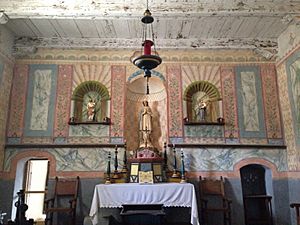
168 194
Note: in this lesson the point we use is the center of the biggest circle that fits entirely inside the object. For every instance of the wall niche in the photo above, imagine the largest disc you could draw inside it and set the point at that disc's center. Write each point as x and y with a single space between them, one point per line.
90 104
203 104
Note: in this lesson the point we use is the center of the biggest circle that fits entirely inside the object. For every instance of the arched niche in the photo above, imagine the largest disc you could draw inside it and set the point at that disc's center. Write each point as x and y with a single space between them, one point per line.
206 92
157 100
84 93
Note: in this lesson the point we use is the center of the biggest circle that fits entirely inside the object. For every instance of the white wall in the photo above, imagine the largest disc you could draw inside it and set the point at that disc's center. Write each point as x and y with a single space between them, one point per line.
6 42
288 40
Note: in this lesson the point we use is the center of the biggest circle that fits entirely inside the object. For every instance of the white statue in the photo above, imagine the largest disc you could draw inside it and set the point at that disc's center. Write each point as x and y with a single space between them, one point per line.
146 125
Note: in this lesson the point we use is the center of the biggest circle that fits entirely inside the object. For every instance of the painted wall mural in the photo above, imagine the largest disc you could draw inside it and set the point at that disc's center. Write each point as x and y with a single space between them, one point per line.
229 102
40 100
210 159
63 99
204 159
117 102
5 86
271 104
250 107
289 133
293 71
175 117
74 159
16 111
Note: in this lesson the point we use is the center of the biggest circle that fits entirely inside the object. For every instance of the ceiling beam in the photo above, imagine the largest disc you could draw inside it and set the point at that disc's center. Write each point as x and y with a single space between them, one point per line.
167 8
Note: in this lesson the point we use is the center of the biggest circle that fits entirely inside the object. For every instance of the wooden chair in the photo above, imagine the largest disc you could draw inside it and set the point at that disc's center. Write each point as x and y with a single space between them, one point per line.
213 199
296 206
65 192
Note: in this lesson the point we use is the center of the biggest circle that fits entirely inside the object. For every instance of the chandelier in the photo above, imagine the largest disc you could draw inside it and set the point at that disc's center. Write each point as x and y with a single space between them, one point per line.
147 59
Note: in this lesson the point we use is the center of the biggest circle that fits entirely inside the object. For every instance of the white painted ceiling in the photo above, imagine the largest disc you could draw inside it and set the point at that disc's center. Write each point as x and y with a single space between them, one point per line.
179 24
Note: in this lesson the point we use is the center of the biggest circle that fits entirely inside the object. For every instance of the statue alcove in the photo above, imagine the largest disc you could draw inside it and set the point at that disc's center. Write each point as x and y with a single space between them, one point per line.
90 91
202 104
157 99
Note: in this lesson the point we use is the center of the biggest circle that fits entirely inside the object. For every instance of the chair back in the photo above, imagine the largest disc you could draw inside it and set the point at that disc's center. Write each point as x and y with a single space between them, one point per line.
211 186
66 187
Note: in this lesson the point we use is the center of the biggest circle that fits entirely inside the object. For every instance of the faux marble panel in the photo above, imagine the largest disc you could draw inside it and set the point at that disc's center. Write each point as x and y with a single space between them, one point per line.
75 159
89 130
271 101
40 100
250 107
204 131
208 159
88 140
175 117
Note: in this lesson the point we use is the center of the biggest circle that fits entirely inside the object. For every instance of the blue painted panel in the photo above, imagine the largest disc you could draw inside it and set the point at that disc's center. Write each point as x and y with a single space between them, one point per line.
40 108
250 103
293 72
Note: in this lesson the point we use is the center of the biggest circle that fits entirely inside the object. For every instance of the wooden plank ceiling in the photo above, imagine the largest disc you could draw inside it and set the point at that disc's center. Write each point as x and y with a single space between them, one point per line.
179 24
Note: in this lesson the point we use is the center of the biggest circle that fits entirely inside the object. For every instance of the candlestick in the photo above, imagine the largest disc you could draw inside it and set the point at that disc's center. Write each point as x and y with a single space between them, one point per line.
108 171
165 157
124 169
175 174
116 176
182 168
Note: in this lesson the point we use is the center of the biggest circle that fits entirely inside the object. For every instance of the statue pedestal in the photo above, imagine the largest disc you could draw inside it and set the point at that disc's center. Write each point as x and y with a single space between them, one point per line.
147 164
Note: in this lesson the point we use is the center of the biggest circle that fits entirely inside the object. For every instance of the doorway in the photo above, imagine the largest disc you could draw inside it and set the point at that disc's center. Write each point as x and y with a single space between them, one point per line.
32 175
257 195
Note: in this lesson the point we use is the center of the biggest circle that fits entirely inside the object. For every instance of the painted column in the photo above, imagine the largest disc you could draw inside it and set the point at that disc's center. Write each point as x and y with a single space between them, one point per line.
117 100
175 116
63 100
229 102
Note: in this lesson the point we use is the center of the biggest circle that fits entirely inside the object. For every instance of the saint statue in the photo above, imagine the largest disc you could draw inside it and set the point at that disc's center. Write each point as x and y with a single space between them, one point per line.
201 111
146 125
91 105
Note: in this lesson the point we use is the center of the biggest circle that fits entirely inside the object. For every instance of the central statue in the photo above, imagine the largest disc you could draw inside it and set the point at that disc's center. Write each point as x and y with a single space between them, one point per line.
146 125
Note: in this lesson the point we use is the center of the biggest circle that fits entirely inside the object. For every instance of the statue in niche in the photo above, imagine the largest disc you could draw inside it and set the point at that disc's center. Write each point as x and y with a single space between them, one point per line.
200 110
146 125
91 110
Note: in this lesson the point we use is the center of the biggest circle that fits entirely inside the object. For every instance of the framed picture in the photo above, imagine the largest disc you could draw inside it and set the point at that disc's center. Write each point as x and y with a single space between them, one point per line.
146 177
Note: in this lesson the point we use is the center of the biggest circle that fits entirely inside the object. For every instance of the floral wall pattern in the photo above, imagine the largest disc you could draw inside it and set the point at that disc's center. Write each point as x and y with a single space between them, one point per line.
271 102
174 101
63 96
5 84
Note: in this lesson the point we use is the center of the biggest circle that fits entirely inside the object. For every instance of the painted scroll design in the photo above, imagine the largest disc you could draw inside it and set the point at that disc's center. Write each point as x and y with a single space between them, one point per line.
63 99
175 102
117 102
272 110
229 102
16 111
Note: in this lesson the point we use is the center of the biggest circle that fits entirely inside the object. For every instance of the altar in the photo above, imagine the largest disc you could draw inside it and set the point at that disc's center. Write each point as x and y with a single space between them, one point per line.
168 194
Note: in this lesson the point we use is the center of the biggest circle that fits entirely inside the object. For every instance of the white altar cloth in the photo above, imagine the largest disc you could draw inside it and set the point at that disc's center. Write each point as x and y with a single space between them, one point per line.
168 194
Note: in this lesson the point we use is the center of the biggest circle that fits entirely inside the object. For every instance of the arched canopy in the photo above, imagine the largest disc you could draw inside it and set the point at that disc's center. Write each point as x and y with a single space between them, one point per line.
90 86
201 86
